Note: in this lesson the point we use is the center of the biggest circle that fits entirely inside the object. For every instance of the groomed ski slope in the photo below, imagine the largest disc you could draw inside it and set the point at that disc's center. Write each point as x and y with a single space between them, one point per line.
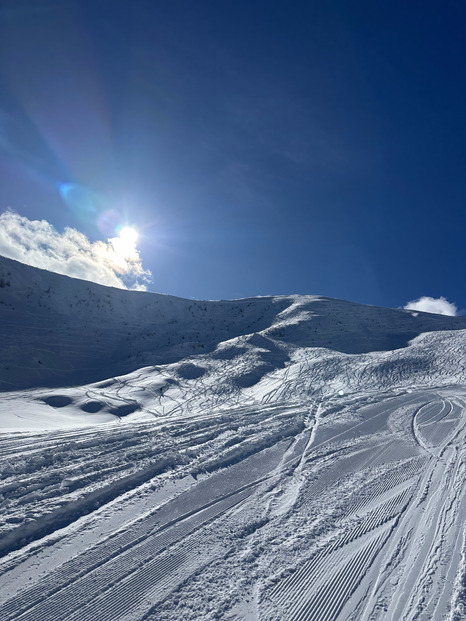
268 459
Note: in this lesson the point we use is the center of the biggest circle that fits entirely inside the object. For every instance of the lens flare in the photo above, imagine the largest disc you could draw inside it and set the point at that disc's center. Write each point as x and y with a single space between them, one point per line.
110 222
84 203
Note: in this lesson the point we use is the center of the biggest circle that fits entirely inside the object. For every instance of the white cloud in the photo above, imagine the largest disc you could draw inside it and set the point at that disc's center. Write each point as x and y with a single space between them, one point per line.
441 306
37 243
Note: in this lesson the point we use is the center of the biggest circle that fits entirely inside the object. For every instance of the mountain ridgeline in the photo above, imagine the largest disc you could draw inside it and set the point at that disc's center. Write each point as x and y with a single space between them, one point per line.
58 331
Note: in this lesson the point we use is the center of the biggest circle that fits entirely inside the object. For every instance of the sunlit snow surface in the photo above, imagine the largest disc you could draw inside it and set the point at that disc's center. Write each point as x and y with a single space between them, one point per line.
273 458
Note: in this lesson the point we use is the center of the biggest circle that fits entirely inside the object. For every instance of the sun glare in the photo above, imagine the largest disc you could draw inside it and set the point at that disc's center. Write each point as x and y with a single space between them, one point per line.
129 236
124 245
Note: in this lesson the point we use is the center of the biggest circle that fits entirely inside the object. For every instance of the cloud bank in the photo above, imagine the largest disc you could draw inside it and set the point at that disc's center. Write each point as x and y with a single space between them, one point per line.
441 306
37 243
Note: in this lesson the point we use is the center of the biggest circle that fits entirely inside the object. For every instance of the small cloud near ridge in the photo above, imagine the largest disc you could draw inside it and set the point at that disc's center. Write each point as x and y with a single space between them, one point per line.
440 306
37 243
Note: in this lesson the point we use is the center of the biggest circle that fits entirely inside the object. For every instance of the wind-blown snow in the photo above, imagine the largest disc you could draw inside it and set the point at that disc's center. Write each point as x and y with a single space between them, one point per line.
270 458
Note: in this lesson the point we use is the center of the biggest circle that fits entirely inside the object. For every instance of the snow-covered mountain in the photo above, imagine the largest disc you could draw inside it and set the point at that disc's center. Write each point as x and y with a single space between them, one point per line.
58 331
288 457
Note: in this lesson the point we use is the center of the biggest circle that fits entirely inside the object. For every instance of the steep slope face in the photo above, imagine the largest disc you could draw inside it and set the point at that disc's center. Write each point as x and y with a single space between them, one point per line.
61 331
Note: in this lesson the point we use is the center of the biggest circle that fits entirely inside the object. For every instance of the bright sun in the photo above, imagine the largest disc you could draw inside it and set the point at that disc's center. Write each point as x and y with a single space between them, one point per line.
129 236
125 244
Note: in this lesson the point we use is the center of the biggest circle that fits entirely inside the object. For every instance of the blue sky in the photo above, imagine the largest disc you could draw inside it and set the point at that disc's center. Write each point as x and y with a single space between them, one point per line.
258 147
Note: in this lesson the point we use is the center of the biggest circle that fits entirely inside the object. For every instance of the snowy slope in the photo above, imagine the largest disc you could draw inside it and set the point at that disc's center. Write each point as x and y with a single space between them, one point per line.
269 458
58 330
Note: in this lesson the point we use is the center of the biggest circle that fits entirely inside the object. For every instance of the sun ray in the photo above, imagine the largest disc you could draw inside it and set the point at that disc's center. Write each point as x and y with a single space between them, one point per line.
124 245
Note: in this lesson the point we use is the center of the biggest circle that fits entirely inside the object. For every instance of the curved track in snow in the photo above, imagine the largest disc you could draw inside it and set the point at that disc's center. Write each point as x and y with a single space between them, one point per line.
273 512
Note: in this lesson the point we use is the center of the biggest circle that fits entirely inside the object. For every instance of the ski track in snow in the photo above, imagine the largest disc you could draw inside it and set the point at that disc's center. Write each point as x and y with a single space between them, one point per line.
380 537
293 470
